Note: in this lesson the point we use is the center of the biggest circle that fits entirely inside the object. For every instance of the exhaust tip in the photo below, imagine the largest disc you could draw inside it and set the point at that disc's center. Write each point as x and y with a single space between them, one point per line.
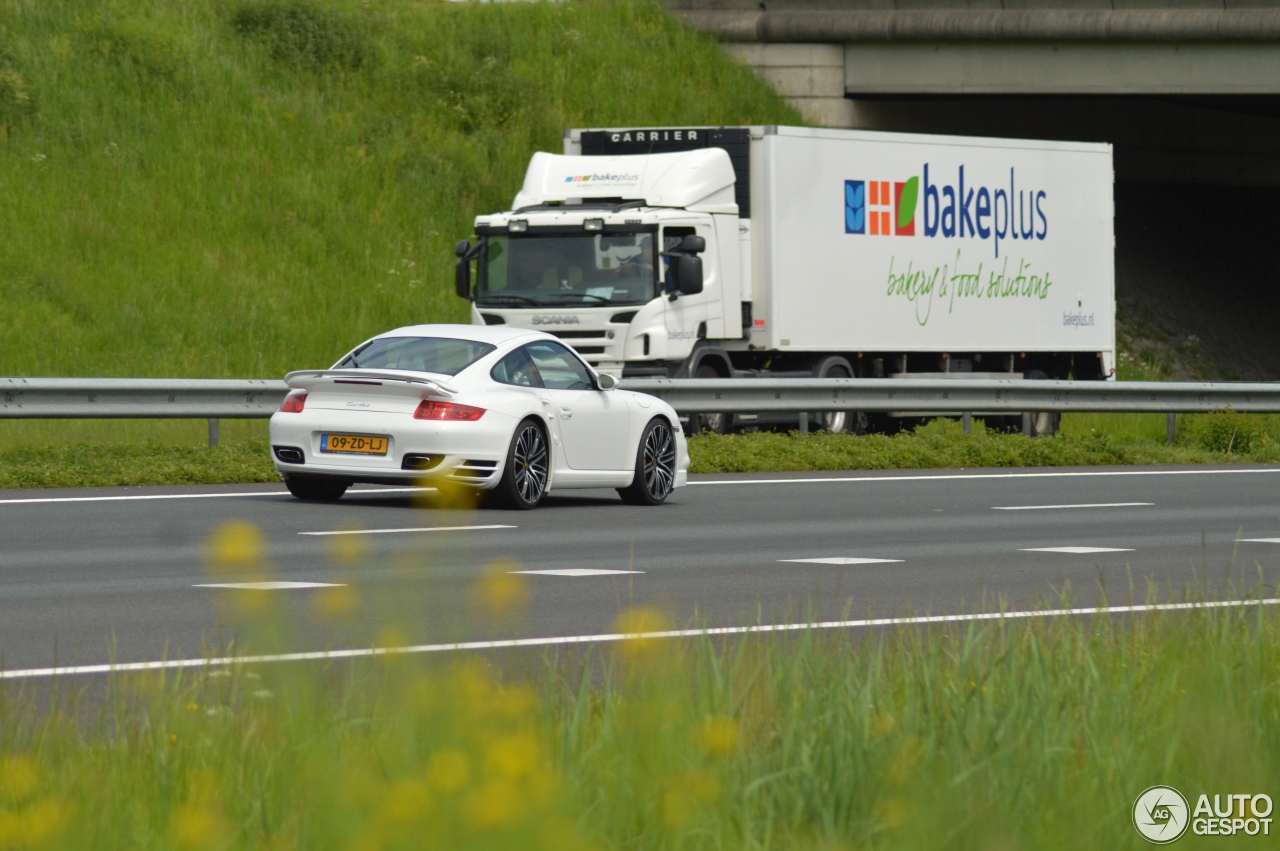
289 454
416 461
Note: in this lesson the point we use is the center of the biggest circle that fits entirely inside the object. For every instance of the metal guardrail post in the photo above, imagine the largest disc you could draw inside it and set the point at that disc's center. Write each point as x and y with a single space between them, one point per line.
1172 429
213 432
967 420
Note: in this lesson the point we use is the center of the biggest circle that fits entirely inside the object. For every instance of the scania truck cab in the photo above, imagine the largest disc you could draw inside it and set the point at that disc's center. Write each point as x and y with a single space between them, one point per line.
632 283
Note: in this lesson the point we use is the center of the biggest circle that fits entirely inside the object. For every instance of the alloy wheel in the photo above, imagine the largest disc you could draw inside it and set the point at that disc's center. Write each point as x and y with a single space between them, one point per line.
659 461
530 460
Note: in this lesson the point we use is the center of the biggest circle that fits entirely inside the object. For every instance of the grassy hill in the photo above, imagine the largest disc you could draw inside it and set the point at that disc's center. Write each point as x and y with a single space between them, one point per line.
212 188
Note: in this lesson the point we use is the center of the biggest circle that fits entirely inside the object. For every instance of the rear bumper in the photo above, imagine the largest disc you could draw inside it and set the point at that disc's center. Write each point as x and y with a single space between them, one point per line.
470 454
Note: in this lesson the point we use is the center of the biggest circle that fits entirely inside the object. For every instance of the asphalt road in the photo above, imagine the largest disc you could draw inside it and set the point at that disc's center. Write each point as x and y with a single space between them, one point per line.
116 574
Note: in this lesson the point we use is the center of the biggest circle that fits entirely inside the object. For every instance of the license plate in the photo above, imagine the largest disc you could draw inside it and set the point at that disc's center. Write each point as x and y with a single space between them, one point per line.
353 444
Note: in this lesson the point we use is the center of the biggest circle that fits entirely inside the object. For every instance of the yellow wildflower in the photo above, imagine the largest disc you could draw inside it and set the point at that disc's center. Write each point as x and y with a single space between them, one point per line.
719 735
449 770
501 592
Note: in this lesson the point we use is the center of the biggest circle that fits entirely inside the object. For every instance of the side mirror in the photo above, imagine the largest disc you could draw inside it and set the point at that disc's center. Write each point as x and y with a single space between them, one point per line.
605 381
463 248
689 273
462 277
693 244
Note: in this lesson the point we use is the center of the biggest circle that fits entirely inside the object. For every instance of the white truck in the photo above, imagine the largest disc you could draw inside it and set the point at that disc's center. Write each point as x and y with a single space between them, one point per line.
792 251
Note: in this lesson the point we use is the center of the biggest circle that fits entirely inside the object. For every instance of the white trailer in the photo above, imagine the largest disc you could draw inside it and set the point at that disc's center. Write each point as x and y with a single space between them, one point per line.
788 251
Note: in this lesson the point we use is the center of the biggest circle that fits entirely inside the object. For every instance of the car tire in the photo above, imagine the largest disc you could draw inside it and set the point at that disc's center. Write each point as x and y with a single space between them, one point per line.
655 465
526 473
316 488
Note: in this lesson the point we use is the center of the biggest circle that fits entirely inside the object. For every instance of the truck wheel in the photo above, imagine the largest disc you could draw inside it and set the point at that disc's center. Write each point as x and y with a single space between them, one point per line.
655 466
1043 423
315 488
838 422
714 423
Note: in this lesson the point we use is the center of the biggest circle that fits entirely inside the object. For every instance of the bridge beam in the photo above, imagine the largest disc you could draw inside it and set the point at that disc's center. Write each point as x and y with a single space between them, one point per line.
1186 95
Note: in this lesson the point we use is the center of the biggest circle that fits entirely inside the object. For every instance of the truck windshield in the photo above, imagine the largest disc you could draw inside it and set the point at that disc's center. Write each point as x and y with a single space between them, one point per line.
567 269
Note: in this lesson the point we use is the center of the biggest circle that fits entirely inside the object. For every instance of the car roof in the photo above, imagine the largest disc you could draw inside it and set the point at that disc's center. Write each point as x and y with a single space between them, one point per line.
493 334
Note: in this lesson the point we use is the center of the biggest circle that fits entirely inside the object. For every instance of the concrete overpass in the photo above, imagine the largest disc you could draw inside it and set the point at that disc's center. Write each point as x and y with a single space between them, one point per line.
1187 90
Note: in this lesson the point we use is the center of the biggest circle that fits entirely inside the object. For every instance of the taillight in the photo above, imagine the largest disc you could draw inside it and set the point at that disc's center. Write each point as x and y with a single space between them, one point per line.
293 402
449 411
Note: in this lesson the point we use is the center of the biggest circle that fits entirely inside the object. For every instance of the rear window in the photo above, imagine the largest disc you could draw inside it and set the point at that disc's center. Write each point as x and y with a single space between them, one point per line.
442 355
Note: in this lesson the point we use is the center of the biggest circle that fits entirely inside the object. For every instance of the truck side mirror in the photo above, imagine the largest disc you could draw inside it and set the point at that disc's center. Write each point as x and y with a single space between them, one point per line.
462 272
689 272
462 276
693 244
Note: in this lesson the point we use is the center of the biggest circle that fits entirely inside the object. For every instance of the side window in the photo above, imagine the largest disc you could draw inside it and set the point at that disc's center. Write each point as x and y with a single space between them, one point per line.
560 369
516 368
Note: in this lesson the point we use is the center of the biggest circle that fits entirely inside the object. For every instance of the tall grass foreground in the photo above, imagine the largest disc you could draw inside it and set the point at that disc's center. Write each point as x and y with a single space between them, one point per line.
1035 733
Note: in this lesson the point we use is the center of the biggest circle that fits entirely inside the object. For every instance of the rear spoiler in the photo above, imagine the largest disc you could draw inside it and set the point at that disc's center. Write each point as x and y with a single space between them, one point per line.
307 379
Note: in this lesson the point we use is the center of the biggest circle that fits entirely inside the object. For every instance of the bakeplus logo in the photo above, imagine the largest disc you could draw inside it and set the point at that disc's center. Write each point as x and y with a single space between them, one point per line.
881 207
602 178
961 209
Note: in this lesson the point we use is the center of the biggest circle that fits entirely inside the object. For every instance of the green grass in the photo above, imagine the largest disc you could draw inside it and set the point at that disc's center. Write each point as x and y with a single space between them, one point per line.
1033 734
1216 438
237 188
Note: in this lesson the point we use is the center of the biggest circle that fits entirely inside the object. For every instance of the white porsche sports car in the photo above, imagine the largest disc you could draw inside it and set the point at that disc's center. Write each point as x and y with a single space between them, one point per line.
509 412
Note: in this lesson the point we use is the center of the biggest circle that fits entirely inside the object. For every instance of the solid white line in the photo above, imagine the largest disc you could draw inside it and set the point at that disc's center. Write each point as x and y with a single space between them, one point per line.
577 571
715 482
272 586
1081 505
327 655
932 478
418 529
187 496
1260 540
1076 550
842 560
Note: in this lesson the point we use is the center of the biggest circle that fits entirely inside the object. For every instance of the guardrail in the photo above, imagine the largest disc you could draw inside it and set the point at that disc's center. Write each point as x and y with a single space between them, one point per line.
140 398
215 399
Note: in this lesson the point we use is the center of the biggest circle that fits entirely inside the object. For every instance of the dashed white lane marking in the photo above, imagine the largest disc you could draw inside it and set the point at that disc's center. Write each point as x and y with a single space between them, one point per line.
577 571
553 641
1076 550
1260 540
271 586
842 560
416 529
133 497
1080 505
1096 473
